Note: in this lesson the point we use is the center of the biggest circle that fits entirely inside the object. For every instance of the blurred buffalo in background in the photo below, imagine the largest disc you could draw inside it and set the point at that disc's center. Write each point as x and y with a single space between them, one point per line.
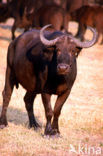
89 15
30 13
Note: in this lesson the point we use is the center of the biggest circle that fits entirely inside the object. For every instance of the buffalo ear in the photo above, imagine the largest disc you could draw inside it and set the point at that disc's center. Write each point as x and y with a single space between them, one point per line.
78 50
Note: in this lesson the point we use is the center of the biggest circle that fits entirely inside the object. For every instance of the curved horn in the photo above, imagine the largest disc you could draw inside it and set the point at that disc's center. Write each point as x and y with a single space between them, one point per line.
46 41
86 44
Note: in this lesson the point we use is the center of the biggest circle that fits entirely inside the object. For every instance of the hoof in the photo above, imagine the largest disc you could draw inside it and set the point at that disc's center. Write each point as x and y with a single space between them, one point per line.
48 129
55 136
35 126
3 123
53 133
2 126
46 136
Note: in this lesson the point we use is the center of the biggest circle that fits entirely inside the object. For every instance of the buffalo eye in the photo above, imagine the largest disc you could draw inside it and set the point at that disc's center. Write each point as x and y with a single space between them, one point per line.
74 52
71 52
70 65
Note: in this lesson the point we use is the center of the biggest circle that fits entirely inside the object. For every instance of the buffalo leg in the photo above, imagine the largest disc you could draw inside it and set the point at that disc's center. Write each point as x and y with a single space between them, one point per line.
13 30
48 112
29 99
81 31
9 85
57 110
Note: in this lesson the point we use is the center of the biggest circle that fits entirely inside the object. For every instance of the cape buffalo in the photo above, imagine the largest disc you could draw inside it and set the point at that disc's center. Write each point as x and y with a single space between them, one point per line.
43 63
91 15
53 14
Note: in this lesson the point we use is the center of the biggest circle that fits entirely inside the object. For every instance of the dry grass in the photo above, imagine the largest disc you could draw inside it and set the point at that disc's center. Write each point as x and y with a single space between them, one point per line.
81 120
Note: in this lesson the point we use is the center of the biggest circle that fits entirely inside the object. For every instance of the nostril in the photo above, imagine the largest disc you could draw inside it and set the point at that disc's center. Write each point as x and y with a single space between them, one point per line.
70 65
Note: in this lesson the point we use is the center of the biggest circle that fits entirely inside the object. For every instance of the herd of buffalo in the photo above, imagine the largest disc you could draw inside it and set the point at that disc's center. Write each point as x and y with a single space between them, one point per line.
43 58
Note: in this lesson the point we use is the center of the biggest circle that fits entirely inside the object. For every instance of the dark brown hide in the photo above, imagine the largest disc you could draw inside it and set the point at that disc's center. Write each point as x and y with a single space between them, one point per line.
52 14
41 69
89 16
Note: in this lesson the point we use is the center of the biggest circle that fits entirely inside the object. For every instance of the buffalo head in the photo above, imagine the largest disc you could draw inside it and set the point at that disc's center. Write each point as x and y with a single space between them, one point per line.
66 48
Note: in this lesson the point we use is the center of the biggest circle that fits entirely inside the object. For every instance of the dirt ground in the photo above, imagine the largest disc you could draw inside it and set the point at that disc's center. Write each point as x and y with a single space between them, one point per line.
81 120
